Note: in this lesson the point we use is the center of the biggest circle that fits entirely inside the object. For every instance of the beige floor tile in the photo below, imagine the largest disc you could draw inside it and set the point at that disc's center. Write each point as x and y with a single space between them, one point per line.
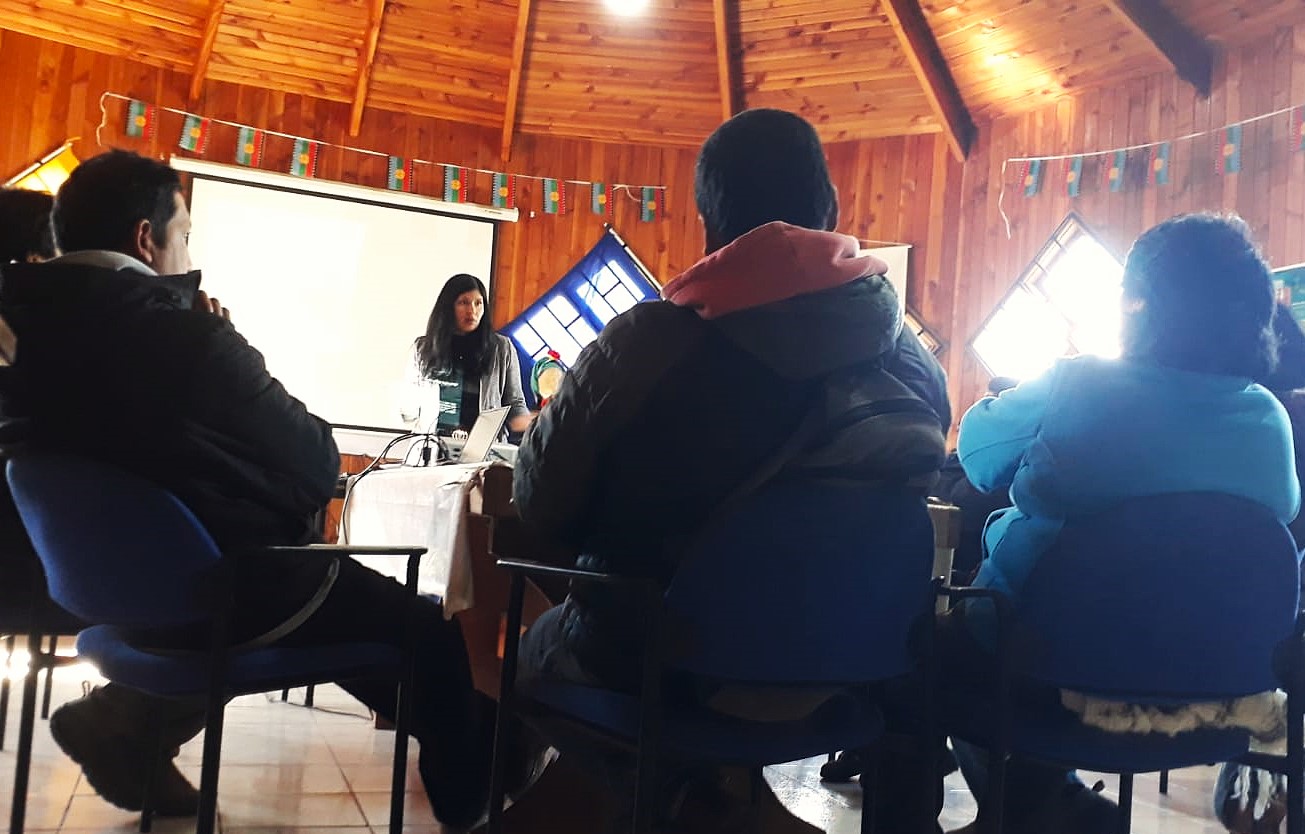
370 778
269 810
272 778
376 808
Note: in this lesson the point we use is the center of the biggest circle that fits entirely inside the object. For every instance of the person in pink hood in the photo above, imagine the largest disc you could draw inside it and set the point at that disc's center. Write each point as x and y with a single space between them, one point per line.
678 401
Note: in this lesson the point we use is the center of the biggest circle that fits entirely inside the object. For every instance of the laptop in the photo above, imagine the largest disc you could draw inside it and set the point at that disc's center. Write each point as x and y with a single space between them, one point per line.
482 435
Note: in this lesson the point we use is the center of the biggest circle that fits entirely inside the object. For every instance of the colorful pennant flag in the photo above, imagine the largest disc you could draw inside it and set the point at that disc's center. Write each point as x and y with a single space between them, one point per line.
1074 176
303 163
455 184
1160 164
1230 158
1298 129
1114 168
505 191
249 146
1033 178
141 118
194 134
398 176
648 204
554 196
600 200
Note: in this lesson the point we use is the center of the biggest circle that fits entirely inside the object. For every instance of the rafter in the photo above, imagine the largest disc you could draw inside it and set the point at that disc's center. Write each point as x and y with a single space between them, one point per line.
366 58
1191 56
724 65
927 62
206 47
519 40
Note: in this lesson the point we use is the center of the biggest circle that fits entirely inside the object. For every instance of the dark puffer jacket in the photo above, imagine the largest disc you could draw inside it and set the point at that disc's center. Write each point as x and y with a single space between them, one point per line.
673 407
113 364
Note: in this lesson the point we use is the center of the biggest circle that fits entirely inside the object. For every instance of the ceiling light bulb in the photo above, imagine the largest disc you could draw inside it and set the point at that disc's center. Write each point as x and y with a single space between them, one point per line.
627 8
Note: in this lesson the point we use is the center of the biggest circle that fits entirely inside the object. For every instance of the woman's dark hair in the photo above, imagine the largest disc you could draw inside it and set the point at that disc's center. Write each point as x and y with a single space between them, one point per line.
761 166
104 198
1206 298
25 226
435 348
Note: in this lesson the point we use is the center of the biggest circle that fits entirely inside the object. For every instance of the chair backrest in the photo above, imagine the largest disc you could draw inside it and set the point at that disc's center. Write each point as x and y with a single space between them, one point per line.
804 582
1162 599
116 548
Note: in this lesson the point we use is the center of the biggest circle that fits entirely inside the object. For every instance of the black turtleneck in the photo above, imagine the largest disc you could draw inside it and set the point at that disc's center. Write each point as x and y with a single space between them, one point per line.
463 349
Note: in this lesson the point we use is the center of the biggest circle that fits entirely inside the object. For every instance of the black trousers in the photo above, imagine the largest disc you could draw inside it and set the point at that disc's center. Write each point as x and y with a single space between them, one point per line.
364 606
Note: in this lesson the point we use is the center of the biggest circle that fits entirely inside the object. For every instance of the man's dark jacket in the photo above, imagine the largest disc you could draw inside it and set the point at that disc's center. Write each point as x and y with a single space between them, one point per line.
674 406
113 364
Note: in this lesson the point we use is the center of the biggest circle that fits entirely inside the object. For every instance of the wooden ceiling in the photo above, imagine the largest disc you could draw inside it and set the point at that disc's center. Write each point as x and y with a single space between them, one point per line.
670 73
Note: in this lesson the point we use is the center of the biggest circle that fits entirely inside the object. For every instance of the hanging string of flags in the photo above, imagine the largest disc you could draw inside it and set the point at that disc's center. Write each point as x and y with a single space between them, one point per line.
1144 165
142 122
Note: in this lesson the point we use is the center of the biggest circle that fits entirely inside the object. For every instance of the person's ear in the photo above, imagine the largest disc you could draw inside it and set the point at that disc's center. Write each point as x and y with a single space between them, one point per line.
141 246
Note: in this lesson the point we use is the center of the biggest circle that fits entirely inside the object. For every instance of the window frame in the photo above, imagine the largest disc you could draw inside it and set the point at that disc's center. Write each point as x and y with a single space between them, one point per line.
1070 229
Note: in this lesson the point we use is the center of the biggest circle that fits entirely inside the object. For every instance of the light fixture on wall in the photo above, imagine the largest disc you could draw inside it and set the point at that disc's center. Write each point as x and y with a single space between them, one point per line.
628 8
48 172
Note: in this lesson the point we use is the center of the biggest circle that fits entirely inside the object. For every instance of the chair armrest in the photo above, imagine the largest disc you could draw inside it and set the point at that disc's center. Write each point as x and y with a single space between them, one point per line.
347 550
532 568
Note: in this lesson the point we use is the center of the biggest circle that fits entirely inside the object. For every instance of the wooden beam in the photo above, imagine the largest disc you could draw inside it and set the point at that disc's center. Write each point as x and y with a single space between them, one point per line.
725 67
930 68
366 58
1191 56
206 47
519 39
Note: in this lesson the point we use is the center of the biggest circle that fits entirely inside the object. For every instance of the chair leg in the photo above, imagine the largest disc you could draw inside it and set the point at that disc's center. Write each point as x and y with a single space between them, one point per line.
151 782
208 780
506 699
285 695
1164 782
49 677
402 720
308 695
869 772
1125 803
992 817
4 687
26 724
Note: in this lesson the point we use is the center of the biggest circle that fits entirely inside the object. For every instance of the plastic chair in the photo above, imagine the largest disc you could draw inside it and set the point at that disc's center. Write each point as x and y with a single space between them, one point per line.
802 584
1166 600
125 554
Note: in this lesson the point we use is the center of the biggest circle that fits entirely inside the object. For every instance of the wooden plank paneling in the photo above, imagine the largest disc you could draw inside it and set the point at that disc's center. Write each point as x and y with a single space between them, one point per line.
49 92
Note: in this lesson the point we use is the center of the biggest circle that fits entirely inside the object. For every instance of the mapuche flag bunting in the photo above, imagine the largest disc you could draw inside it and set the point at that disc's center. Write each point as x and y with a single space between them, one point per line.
600 201
554 196
141 118
304 161
648 204
1160 164
455 184
249 146
1230 158
398 175
194 134
1032 177
1114 168
1074 176
505 191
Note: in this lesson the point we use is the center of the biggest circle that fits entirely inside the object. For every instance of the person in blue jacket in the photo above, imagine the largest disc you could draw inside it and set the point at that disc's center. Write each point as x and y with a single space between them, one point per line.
1178 412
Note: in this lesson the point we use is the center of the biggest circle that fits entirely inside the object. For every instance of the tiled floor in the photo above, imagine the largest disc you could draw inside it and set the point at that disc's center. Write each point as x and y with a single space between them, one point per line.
326 771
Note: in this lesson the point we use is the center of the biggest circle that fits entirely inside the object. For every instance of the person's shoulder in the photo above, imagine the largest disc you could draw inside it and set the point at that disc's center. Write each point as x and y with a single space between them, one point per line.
649 316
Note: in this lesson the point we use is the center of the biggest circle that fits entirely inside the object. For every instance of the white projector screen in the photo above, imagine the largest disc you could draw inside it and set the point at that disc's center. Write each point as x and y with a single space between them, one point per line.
333 290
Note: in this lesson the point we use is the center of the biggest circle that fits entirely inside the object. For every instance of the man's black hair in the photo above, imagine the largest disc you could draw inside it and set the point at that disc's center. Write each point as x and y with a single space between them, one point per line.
105 197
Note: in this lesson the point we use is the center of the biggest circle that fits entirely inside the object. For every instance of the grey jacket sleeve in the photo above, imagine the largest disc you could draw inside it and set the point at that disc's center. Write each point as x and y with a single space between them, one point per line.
513 397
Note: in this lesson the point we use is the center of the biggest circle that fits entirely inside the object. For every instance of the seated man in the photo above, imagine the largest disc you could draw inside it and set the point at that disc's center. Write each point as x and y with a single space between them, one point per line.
125 360
680 401
26 235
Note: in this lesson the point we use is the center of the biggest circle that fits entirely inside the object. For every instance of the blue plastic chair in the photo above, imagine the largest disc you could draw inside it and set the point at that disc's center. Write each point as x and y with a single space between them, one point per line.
125 554
1164 600
803 583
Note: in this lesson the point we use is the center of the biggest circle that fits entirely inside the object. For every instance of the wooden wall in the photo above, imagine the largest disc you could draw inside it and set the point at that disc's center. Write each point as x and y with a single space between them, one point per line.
1269 192
49 92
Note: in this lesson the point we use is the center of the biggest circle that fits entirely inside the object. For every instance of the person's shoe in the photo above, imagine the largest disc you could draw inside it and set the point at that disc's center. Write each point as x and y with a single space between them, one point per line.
1075 809
115 753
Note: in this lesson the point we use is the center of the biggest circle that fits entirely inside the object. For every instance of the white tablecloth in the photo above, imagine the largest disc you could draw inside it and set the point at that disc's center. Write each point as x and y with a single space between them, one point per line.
427 506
